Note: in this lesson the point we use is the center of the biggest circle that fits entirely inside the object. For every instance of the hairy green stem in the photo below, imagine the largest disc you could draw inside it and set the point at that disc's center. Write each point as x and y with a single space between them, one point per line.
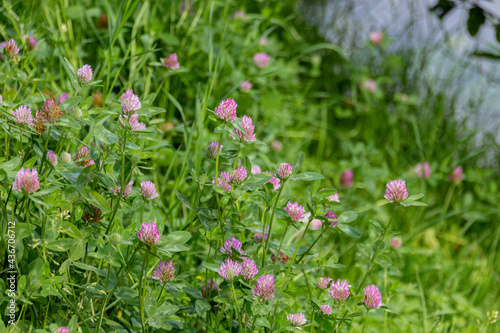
141 301
281 243
298 245
236 158
374 257
366 320
271 224
236 305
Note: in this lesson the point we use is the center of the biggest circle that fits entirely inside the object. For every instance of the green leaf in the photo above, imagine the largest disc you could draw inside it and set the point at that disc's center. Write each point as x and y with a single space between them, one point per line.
297 162
72 230
96 199
348 230
177 237
183 199
414 197
413 203
70 103
383 260
148 100
69 67
347 217
475 20
308 176
262 322
202 306
237 125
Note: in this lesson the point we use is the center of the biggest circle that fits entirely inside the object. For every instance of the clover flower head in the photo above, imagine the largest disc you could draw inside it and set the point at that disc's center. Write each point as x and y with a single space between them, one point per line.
395 191
239 14
84 74
82 152
229 269
207 290
373 298
248 269
211 149
258 236
297 320
457 175
256 170
52 157
26 179
133 121
334 197
277 146
316 224
282 258
149 233
423 170
50 112
148 190
396 243
63 330
246 124
64 96
326 309
376 37
370 85
284 171
171 61
130 102
339 290
231 244
23 115
263 41
261 59
346 178
264 288
274 180
324 282
66 157
333 218
223 182
238 176
295 211
226 111
31 41
126 191
164 272
10 48
246 86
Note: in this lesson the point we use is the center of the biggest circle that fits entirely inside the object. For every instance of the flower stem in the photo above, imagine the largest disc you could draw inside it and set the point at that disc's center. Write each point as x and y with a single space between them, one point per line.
141 302
366 320
236 158
44 156
281 243
113 214
161 291
217 158
374 257
309 249
321 325
263 221
271 224
235 302
298 245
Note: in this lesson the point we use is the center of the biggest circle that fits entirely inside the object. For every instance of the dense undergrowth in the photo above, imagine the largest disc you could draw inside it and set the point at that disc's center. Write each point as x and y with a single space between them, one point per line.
108 173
